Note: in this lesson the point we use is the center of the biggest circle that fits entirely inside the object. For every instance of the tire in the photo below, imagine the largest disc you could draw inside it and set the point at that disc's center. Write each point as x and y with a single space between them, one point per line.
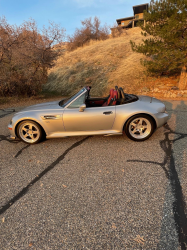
29 132
139 127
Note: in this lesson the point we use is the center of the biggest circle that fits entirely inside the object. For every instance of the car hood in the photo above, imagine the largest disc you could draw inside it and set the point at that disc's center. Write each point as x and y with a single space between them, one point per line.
43 106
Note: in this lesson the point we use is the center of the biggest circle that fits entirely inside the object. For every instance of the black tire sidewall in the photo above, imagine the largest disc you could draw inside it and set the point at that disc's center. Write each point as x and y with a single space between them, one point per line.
126 127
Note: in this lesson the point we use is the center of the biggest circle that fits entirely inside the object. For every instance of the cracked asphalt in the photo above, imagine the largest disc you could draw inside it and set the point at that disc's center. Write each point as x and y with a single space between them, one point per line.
95 192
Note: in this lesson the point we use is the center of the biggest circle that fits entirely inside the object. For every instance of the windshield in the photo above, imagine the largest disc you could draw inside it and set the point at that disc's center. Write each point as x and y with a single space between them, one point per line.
65 102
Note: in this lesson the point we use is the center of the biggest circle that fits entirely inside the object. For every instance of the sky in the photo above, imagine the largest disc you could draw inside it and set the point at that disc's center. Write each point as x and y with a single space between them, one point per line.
67 13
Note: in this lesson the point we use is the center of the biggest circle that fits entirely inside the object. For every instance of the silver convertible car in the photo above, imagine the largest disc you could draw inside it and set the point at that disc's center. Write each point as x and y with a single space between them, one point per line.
117 114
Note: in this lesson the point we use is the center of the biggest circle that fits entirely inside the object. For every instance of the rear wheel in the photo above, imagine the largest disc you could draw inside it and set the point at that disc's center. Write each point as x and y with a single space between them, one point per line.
139 127
29 132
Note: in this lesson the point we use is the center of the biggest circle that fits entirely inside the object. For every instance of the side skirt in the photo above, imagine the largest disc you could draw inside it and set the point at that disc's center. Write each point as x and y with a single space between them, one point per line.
82 133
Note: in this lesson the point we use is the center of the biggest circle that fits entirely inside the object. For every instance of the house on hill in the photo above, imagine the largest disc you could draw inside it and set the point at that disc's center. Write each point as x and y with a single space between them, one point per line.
131 22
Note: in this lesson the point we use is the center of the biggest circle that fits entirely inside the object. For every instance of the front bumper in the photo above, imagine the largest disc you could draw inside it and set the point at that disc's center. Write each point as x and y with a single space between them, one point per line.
12 133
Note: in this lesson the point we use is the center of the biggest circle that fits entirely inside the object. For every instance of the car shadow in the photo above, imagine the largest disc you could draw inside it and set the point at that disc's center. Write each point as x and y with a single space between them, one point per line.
174 223
174 220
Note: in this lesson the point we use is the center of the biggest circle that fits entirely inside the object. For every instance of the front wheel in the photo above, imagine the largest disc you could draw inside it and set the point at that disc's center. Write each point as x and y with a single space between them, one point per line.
139 127
29 132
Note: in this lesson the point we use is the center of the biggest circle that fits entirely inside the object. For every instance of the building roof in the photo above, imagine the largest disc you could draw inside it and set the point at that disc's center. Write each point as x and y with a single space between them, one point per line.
140 8
137 9
125 18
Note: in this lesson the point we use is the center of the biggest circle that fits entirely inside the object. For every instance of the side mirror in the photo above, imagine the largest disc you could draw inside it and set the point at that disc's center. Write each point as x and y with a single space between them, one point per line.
82 108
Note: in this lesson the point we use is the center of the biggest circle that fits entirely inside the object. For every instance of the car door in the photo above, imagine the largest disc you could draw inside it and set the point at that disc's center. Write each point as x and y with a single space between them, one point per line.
91 119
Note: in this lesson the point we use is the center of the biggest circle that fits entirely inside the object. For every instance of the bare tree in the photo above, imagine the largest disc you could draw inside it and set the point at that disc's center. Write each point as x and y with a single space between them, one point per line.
26 53
90 30
116 30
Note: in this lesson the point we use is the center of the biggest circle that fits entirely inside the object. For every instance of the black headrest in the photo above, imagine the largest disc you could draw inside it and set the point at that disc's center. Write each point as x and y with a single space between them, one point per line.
119 93
122 93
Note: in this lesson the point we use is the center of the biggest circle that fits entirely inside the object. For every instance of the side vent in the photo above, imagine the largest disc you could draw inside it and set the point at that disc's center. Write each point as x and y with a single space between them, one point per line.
51 117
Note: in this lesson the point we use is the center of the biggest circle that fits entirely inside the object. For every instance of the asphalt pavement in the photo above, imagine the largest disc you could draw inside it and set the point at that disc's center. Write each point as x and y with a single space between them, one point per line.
95 192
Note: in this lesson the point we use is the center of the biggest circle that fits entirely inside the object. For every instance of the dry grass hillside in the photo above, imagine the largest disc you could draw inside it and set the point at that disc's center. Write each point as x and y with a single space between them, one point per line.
101 64
104 64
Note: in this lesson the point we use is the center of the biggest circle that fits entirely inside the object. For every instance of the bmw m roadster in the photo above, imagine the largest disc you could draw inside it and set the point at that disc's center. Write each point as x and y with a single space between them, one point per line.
118 113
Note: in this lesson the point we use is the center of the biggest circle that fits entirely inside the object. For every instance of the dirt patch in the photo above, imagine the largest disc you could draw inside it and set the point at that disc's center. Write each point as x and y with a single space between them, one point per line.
163 88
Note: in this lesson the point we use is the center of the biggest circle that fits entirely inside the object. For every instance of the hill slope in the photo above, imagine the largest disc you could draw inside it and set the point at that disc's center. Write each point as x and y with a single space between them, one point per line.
102 64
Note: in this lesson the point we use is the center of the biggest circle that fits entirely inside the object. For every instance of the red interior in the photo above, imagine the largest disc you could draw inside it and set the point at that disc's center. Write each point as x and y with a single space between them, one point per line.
115 94
112 99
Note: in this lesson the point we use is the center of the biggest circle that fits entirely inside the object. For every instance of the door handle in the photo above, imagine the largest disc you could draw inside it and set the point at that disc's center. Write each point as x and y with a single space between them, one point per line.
107 112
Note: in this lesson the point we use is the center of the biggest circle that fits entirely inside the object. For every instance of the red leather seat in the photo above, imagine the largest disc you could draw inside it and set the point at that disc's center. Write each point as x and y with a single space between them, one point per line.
112 98
109 98
115 94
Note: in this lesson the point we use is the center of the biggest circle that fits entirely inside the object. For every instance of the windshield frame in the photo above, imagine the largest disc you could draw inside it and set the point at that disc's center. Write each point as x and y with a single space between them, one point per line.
66 102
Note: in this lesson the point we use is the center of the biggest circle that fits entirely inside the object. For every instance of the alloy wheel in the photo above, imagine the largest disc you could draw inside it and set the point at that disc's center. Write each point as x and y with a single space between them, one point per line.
29 132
